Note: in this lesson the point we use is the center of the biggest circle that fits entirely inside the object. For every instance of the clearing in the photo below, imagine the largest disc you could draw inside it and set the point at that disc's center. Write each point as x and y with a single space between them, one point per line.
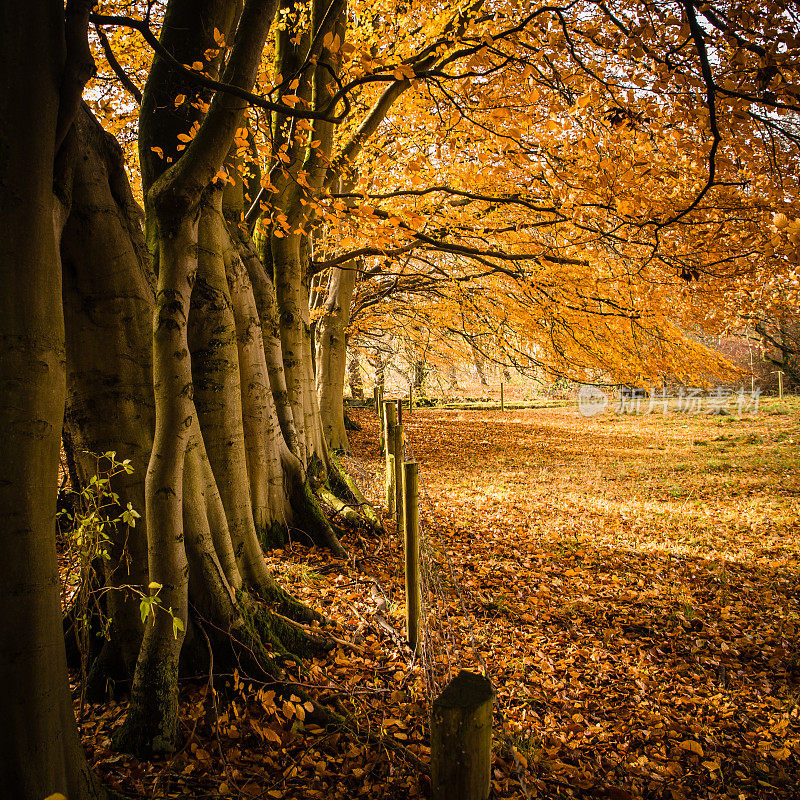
631 583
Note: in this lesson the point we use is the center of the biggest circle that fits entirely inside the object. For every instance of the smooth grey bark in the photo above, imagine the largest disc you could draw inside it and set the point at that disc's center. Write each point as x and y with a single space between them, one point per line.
200 411
267 308
151 723
294 327
331 357
354 373
108 307
38 738
109 298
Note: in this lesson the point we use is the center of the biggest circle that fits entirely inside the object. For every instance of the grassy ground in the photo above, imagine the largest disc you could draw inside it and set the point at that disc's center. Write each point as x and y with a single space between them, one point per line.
631 583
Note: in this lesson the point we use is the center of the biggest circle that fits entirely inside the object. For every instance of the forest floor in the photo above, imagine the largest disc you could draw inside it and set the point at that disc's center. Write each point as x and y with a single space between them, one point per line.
630 582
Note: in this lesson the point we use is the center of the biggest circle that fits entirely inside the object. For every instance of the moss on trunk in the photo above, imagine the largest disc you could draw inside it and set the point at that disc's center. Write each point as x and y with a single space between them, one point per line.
151 725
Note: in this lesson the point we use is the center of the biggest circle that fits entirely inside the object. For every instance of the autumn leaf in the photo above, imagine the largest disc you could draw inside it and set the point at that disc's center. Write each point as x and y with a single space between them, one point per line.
692 747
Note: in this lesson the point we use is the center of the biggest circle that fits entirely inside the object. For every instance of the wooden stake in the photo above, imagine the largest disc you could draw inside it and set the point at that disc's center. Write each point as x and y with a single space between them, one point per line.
461 739
410 396
397 452
779 373
399 410
382 417
390 423
411 528
502 398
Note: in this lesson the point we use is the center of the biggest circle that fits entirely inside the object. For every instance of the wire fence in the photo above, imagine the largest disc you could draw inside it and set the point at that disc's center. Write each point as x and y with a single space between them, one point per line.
445 599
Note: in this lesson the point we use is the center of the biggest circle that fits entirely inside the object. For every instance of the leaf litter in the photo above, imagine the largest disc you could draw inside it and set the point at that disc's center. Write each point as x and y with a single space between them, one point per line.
630 582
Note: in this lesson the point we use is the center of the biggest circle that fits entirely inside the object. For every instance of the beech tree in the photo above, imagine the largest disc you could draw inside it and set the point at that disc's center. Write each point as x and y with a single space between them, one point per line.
222 406
228 425
577 183
42 753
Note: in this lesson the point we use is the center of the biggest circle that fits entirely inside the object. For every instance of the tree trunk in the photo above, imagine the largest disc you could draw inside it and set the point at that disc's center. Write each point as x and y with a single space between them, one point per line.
480 362
419 371
452 378
152 718
108 308
378 364
332 357
41 751
109 298
354 374
294 324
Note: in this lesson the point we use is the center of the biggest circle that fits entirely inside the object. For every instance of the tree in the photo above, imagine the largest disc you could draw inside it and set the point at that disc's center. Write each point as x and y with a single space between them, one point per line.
230 454
578 222
551 199
41 750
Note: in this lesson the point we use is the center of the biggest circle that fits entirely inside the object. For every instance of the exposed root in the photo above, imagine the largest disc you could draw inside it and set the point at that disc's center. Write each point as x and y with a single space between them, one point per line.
350 424
345 487
272 536
340 510
309 517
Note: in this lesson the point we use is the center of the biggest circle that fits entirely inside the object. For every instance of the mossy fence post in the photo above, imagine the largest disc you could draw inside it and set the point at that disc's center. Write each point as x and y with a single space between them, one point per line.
461 739
388 429
411 529
397 452
382 418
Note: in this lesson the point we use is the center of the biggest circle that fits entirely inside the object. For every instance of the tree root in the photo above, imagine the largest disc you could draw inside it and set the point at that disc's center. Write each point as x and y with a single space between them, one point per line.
340 510
310 518
287 637
345 487
350 424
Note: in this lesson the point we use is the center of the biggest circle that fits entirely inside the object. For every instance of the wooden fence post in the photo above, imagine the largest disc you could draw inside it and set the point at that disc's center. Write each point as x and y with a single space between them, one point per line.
376 400
461 739
780 385
411 528
502 398
399 410
389 425
382 419
410 397
397 451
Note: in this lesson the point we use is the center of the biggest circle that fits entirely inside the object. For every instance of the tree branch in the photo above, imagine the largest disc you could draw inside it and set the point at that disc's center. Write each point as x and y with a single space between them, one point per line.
218 86
708 79
116 67
79 65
